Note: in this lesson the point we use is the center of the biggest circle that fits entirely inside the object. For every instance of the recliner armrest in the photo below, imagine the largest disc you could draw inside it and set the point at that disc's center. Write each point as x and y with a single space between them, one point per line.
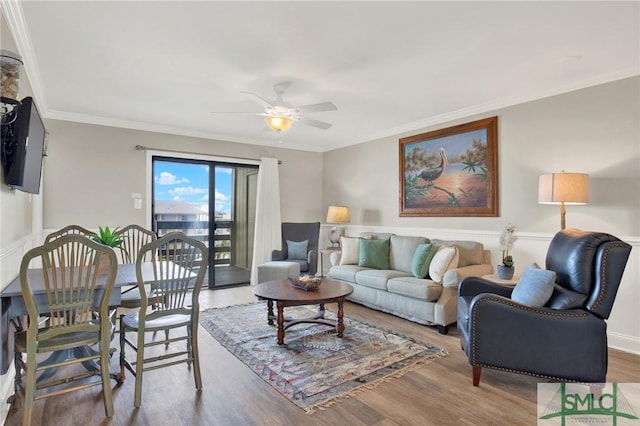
278 255
472 286
312 260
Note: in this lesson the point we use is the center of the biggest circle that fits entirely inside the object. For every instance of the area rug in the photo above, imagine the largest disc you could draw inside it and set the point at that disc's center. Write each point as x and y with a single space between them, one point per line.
315 368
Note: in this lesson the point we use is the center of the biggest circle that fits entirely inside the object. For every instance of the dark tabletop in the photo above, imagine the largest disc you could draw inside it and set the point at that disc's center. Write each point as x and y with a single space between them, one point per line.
329 290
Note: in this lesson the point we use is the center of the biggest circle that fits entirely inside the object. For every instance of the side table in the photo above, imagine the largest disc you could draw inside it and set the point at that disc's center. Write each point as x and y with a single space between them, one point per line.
506 283
328 251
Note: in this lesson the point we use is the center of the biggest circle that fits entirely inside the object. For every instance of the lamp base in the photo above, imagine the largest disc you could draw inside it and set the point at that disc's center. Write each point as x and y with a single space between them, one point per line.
334 236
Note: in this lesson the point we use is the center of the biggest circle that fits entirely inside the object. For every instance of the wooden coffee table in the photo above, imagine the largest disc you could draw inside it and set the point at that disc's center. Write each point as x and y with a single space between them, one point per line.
284 294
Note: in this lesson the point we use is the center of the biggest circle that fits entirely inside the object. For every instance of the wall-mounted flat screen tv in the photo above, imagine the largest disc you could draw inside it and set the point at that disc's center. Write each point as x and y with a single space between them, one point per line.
23 148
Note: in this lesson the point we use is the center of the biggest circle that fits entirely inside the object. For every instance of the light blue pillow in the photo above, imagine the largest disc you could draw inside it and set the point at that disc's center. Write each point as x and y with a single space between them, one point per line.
535 286
422 259
297 250
374 254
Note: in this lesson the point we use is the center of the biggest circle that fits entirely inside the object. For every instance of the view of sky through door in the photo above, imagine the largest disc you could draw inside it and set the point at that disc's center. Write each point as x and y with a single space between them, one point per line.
213 203
184 183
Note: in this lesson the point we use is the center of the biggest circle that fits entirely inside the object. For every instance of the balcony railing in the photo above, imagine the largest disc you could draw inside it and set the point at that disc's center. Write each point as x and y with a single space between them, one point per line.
199 230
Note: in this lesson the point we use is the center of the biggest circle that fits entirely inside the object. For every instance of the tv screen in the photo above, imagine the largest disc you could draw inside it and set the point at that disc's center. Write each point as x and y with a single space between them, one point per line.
22 148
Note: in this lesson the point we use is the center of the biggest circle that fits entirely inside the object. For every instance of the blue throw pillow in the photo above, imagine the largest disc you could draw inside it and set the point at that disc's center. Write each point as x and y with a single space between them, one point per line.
422 259
374 254
297 250
535 286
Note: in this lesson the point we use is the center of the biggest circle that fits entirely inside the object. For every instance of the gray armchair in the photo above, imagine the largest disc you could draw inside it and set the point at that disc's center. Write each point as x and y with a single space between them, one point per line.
566 339
298 233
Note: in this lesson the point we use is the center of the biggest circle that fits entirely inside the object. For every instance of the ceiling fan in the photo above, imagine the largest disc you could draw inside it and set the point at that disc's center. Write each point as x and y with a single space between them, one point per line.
279 115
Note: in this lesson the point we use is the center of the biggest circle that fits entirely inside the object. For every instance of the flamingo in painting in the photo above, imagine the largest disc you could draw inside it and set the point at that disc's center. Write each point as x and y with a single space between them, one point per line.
432 173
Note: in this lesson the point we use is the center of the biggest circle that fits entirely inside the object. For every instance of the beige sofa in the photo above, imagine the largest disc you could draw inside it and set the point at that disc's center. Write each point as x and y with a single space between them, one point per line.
398 291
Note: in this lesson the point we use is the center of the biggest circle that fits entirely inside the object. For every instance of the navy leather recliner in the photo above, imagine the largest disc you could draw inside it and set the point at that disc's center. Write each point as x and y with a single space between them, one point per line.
565 340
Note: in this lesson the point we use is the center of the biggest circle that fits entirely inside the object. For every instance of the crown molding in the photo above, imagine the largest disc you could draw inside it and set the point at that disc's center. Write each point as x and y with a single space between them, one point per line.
12 10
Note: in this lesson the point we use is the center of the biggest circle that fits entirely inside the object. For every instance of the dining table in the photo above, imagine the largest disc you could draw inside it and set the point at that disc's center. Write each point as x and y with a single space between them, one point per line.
13 308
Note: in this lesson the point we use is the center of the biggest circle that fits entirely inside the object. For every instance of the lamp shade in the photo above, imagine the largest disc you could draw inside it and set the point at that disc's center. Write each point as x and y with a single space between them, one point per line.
278 123
567 188
338 214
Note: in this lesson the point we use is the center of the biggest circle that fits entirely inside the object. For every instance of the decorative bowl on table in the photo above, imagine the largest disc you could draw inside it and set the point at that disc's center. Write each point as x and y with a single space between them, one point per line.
306 283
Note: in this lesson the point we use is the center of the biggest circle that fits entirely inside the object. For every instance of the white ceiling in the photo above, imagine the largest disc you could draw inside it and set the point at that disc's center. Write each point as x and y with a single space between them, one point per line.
390 67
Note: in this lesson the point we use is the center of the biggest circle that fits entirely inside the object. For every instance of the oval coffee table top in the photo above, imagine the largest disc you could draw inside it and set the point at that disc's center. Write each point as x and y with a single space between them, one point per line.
283 290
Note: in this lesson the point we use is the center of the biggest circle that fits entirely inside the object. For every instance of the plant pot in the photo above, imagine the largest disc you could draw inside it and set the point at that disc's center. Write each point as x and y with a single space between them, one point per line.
505 272
105 265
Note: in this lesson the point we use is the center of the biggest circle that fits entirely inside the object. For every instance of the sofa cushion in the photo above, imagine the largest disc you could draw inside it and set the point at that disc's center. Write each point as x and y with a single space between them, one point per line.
344 272
349 247
297 250
469 252
422 259
416 288
535 286
401 251
376 235
377 278
374 254
446 258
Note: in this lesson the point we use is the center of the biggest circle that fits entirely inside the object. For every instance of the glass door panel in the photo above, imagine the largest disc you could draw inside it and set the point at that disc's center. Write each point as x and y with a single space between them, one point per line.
186 194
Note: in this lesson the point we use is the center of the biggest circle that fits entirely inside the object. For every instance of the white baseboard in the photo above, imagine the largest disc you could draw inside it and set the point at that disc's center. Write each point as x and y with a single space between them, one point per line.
623 342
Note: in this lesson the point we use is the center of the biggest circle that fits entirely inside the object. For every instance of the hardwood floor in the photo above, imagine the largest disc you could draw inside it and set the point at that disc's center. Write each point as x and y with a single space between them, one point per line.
440 393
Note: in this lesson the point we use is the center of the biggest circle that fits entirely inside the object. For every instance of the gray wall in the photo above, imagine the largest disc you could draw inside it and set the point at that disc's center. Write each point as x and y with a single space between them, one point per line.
594 130
91 172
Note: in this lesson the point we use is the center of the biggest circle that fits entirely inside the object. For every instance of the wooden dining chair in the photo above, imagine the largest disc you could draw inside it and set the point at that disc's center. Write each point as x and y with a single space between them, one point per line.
134 237
180 267
75 290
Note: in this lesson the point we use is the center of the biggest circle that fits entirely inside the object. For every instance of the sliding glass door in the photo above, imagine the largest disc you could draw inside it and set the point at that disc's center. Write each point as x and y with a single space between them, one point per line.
188 193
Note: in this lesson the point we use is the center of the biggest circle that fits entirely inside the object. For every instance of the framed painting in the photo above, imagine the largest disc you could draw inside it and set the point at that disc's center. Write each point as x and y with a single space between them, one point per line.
451 172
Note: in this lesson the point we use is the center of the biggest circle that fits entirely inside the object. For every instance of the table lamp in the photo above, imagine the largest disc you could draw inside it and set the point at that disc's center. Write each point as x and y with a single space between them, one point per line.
563 188
337 214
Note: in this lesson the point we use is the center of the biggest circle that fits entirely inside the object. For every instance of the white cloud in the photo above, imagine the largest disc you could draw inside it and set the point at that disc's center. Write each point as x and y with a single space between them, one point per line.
224 170
187 190
221 197
176 198
167 178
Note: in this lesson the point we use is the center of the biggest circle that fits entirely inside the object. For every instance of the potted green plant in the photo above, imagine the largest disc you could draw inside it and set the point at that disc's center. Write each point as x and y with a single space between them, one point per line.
109 238
507 238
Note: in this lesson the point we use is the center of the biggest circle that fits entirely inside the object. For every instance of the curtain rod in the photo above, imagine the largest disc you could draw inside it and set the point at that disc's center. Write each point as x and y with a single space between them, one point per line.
144 148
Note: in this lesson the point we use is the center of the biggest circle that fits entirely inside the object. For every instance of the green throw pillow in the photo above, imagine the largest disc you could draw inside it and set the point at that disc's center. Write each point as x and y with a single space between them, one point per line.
374 254
422 259
297 250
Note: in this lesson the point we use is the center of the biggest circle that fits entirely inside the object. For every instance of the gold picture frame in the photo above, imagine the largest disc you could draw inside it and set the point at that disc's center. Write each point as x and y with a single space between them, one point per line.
451 171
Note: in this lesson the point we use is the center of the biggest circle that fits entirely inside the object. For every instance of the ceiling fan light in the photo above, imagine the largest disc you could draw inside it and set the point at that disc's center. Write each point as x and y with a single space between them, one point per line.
278 123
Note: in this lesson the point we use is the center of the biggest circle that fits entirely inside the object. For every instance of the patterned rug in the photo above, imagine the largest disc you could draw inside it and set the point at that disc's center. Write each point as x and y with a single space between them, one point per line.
315 368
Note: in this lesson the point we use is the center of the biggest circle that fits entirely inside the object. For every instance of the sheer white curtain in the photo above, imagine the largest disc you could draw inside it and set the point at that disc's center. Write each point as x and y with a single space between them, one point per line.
267 234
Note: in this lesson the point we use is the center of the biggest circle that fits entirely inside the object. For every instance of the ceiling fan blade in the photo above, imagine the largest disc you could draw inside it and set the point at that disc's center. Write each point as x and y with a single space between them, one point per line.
236 112
259 99
311 122
321 107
